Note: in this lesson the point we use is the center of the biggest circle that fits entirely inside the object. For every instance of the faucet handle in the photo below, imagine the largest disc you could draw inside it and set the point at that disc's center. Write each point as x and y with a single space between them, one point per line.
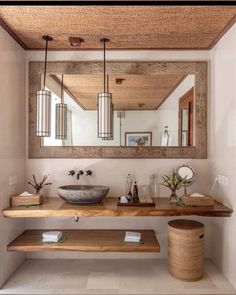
71 172
89 173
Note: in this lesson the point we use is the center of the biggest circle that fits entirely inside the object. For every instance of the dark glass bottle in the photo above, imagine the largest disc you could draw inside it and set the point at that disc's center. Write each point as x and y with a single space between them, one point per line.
135 193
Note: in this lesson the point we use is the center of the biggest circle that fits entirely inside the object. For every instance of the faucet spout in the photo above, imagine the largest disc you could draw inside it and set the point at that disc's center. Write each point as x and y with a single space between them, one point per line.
81 172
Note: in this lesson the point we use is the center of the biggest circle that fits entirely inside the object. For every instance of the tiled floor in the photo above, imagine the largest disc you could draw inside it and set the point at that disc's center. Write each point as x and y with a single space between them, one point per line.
144 276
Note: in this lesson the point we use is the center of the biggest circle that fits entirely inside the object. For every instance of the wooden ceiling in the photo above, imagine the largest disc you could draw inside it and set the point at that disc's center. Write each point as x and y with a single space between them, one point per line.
128 27
136 92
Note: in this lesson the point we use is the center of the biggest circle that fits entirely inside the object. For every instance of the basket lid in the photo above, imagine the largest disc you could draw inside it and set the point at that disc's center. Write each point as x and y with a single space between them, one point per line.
185 224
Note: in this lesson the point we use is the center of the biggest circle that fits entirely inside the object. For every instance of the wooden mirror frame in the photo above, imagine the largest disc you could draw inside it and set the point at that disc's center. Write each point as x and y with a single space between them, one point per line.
198 68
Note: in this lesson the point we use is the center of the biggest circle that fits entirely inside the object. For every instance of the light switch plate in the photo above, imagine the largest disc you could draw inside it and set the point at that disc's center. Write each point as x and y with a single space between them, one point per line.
12 179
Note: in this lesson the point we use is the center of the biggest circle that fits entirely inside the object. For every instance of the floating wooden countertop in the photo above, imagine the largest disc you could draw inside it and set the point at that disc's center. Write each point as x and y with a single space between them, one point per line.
86 241
55 207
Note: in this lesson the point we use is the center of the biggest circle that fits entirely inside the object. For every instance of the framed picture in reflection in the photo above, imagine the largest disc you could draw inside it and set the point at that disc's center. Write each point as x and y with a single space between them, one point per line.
138 139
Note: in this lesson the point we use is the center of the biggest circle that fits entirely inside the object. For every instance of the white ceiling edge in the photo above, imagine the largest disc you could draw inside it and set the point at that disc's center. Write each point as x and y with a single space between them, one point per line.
124 55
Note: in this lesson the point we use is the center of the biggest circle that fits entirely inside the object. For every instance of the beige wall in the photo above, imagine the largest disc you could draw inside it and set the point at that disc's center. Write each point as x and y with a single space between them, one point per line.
113 172
222 149
12 144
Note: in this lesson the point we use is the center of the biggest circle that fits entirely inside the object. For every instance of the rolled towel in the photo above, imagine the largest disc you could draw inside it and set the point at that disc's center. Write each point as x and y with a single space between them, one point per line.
51 236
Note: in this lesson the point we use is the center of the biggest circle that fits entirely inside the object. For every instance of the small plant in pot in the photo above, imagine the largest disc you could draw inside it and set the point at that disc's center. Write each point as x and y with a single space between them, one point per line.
39 185
174 183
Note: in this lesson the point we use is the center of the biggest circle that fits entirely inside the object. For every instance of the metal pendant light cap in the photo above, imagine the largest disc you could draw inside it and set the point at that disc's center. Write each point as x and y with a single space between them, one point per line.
47 38
104 40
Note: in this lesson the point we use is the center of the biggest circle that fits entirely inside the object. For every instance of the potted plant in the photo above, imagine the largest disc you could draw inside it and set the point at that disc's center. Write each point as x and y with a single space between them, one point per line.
39 185
174 183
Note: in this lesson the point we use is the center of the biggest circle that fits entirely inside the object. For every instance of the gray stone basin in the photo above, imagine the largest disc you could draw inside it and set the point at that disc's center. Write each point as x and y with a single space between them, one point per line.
83 194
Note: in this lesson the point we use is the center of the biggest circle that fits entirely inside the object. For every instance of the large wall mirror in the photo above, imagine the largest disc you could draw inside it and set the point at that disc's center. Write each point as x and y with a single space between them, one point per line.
159 109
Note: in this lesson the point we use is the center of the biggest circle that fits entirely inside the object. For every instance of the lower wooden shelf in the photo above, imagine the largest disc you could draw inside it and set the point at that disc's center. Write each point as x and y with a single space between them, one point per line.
86 241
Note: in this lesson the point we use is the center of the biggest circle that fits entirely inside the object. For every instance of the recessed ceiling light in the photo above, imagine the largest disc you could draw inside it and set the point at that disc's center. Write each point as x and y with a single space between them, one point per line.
119 80
141 105
75 41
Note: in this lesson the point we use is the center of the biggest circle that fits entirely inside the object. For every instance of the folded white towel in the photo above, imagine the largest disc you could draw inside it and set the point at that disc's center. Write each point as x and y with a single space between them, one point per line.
50 240
52 236
26 194
197 195
132 236
123 199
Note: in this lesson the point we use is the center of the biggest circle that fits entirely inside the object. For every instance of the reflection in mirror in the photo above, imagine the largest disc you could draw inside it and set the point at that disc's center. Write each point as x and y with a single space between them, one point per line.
149 110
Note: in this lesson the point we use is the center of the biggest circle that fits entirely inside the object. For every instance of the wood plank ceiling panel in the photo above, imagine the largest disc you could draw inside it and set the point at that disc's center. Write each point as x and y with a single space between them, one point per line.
134 93
128 27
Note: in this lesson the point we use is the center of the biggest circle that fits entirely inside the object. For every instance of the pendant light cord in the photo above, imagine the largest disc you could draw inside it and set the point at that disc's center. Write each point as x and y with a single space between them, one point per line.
45 65
104 64
62 89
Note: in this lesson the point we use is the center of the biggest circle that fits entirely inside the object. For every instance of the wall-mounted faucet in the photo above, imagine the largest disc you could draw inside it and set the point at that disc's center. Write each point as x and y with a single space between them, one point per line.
81 172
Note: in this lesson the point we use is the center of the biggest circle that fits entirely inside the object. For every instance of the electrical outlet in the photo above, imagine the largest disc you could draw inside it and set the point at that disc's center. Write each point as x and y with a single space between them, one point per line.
12 179
222 179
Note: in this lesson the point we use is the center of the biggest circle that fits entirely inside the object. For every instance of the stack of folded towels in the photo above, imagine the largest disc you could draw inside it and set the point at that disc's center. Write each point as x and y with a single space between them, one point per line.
51 236
132 236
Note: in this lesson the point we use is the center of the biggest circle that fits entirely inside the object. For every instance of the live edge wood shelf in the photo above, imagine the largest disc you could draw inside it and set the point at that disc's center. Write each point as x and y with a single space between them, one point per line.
86 241
55 207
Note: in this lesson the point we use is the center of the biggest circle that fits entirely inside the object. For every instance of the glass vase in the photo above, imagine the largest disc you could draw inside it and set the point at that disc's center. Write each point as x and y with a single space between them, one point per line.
173 197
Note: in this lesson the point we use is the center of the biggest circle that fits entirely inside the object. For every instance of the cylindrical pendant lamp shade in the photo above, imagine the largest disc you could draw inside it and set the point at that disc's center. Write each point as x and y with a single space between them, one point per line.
105 115
61 121
112 124
43 122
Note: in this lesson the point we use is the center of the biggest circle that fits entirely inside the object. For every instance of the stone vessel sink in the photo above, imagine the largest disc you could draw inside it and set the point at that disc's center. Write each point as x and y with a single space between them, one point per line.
83 194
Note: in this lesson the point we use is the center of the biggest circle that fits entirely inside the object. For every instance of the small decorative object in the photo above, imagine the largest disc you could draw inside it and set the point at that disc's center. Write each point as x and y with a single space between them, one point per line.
138 138
174 183
39 185
165 137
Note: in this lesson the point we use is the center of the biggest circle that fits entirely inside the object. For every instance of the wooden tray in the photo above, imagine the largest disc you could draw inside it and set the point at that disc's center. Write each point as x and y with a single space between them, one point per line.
137 204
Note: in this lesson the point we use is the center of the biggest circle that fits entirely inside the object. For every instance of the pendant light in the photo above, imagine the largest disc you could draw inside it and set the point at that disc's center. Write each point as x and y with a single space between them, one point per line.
43 102
104 104
61 115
